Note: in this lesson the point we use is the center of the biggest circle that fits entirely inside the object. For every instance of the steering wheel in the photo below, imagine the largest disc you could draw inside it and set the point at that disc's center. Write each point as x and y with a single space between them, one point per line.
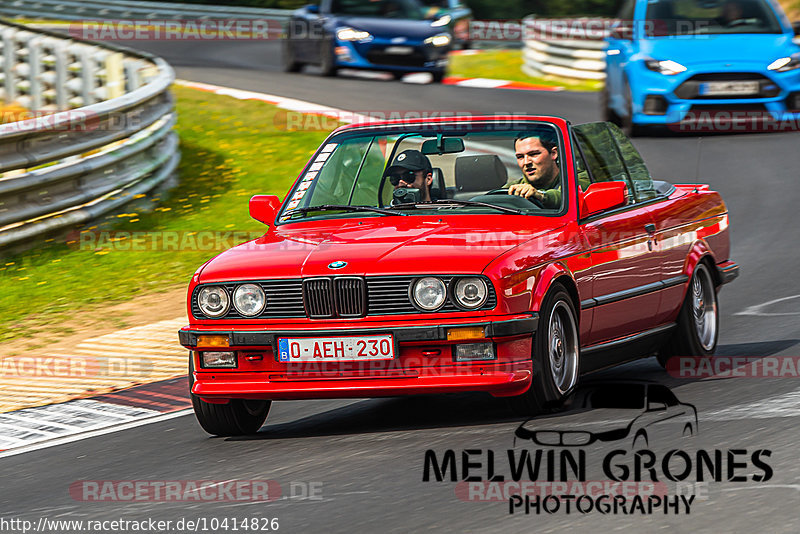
503 191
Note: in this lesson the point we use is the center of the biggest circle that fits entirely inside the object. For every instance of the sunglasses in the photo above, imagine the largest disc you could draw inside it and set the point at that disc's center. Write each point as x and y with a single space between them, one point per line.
407 176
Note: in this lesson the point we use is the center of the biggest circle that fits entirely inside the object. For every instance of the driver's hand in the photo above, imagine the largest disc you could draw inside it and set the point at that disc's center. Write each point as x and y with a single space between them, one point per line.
522 190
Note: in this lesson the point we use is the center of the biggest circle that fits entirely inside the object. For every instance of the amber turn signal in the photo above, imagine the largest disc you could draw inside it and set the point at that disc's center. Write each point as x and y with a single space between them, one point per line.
466 332
212 341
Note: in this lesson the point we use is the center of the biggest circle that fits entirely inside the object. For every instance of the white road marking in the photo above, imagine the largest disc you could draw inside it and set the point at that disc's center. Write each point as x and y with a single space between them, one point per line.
758 309
786 405
482 82
94 433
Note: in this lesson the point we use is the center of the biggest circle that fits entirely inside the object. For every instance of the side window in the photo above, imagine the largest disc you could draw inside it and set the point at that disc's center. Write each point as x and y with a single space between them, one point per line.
602 155
581 171
643 187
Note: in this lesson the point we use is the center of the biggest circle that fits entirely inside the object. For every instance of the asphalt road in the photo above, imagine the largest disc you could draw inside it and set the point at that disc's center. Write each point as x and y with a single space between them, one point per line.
366 458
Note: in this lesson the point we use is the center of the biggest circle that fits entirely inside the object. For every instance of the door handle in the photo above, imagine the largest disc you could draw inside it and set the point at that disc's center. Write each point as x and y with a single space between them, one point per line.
650 228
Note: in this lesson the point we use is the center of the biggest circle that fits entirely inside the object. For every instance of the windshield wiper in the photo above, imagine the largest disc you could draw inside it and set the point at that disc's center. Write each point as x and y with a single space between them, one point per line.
504 209
341 207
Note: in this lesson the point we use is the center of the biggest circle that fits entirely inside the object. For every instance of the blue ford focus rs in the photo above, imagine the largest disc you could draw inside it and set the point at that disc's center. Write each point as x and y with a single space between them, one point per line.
399 36
673 61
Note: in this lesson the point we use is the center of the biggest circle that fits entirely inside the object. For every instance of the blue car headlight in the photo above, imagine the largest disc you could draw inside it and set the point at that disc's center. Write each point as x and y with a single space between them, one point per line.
666 66
351 34
441 39
441 21
785 63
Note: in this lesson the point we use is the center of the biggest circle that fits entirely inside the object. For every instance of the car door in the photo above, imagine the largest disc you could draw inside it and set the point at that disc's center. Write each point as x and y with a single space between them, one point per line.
671 234
625 269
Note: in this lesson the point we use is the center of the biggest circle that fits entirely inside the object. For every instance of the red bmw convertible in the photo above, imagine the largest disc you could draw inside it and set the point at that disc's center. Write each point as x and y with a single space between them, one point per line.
501 254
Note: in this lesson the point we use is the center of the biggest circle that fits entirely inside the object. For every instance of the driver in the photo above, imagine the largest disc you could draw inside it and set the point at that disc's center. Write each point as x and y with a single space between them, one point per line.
537 157
412 169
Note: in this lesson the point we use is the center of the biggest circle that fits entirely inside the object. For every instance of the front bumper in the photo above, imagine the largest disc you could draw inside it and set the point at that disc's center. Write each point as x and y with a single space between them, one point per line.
374 56
678 103
423 363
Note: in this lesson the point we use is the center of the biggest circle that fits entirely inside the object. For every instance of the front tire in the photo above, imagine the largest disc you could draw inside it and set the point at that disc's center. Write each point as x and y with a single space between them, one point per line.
239 417
328 61
698 321
556 356
290 64
438 76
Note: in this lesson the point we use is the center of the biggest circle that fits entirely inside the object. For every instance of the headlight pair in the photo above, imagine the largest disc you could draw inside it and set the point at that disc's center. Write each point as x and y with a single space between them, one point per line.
430 293
248 299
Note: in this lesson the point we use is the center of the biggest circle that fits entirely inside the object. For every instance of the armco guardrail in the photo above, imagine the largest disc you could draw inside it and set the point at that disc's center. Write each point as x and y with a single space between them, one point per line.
98 132
554 49
132 10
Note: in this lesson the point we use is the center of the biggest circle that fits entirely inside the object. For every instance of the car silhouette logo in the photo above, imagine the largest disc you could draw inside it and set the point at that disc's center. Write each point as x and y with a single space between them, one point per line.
651 410
337 264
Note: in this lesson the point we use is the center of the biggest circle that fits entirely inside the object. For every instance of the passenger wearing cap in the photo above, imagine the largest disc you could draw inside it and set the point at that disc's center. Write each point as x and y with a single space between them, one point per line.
412 169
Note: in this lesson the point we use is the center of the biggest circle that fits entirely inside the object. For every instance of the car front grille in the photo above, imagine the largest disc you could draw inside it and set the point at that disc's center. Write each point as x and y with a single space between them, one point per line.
690 89
380 57
338 297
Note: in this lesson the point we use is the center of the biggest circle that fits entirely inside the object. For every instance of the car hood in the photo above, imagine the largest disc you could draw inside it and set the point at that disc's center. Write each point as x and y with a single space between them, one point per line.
402 245
413 30
757 49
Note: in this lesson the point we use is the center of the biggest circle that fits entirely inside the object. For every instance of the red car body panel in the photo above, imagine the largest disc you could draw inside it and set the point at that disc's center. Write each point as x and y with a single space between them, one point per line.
614 264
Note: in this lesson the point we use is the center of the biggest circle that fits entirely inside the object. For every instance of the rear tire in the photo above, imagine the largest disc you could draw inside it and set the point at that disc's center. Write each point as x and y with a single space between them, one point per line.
698 321
438 76
556 356
237 418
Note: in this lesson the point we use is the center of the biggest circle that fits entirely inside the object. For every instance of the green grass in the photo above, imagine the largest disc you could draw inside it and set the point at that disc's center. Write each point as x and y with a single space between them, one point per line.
231 149
507 65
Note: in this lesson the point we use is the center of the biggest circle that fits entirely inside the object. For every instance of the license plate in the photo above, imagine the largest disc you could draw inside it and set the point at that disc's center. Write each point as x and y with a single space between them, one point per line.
340 348
729 88
398 50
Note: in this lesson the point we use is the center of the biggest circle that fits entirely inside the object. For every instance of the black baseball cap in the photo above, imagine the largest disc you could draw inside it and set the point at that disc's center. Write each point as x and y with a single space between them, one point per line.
411 160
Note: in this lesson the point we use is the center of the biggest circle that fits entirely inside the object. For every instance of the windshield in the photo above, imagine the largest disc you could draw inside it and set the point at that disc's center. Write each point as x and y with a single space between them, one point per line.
696 17
414 173
393 9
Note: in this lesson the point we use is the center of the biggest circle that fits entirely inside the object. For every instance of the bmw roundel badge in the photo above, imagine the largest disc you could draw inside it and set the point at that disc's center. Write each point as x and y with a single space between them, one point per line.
337 264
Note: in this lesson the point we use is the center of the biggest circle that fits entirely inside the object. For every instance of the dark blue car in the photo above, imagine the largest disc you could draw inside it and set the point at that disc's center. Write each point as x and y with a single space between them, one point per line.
399 36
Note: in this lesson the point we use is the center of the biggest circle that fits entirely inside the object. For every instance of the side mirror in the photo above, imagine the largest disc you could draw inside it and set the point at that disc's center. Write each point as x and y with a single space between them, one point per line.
602 196
622 30
313 9
264 208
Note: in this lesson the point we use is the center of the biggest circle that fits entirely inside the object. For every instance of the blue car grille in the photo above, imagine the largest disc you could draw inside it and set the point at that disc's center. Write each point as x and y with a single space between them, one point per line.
690 89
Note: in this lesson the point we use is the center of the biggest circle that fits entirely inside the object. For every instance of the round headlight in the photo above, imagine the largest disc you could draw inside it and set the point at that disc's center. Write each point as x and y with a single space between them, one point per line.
213 301
471 293
249 299
429 293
